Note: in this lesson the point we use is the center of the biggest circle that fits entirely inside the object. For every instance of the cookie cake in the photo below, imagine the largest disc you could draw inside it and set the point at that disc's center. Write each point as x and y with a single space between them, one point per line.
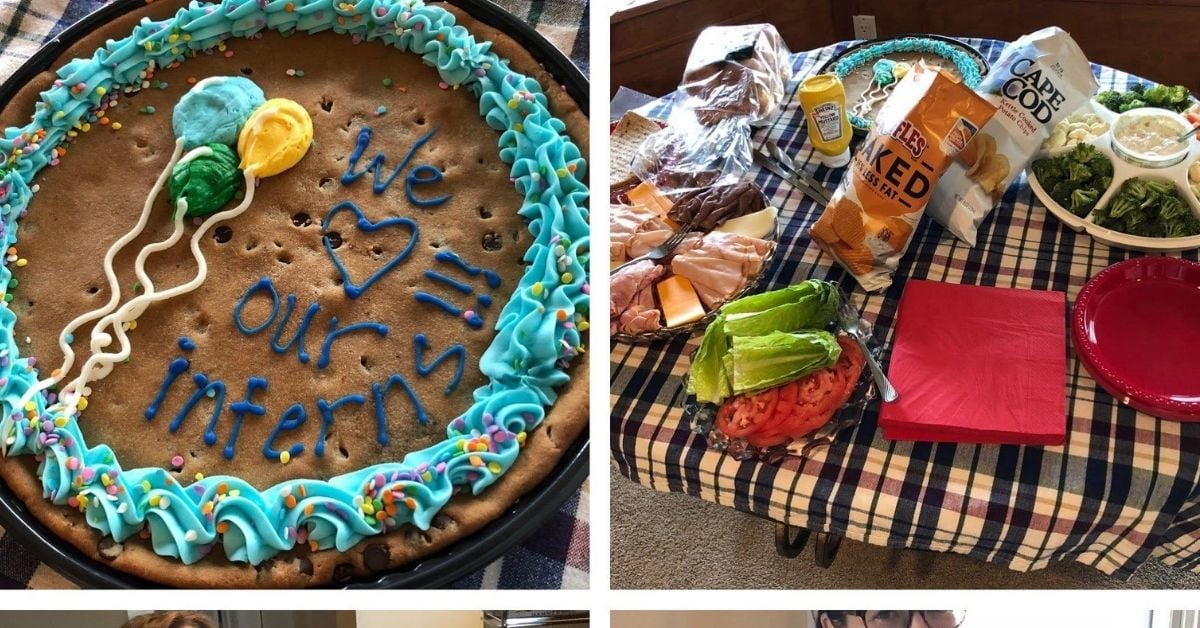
293 291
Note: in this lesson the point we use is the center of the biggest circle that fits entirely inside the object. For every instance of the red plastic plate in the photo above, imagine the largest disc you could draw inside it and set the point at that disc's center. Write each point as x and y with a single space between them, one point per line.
1136 327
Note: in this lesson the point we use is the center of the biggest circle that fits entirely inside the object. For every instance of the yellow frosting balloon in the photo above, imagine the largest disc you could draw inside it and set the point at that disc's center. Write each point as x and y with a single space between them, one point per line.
275 138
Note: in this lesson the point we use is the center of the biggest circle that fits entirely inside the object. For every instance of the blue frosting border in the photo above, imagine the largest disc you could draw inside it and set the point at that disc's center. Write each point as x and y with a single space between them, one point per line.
538 331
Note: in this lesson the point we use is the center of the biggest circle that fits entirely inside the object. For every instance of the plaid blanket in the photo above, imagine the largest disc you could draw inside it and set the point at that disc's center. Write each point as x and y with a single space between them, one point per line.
556 556
1125 487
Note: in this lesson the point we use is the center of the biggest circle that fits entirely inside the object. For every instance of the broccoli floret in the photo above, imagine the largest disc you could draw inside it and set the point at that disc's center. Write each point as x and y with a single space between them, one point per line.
1136 103
1049 171
1110 99
1083 200
1100 166
1174 98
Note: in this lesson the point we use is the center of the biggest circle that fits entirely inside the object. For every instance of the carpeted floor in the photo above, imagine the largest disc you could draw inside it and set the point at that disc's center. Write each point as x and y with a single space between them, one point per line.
671 541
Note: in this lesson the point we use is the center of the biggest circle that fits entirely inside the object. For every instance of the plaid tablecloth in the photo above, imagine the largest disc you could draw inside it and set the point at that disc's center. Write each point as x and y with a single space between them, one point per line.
1125 487
554 557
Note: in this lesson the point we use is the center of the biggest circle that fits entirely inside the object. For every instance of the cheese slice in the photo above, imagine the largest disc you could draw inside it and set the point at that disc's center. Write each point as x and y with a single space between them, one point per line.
648 195
756 225
680 303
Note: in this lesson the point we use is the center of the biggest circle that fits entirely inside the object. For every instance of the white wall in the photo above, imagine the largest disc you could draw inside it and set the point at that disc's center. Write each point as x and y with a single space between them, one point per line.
418 619
709 619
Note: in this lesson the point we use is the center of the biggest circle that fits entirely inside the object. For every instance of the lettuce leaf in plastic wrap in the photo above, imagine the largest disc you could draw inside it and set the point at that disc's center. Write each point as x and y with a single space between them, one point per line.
707 379
773 359
810 304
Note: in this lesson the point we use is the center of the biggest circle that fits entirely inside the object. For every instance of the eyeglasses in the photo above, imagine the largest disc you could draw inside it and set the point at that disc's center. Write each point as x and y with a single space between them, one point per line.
894 619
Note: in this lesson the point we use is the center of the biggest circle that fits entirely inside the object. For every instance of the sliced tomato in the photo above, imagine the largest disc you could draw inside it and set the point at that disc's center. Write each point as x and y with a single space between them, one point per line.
795 409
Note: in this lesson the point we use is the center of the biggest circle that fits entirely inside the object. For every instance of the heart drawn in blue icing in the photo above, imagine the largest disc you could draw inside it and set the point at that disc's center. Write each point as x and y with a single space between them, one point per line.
353 290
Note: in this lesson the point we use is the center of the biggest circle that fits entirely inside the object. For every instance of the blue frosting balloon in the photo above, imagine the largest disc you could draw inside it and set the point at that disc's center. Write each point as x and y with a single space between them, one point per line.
214 110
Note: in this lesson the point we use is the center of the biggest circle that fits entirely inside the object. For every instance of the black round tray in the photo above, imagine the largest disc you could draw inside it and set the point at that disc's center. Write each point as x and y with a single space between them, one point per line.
468 555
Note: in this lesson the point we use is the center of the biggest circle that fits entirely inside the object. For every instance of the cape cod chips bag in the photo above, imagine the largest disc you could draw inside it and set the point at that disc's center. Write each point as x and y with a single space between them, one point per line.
928 119
1040 79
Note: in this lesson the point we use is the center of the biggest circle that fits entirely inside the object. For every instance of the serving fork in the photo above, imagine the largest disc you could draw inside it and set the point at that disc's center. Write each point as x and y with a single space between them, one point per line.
860 330
659 251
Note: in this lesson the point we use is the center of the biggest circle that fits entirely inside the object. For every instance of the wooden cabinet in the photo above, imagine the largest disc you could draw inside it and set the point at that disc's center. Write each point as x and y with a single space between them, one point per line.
1155 39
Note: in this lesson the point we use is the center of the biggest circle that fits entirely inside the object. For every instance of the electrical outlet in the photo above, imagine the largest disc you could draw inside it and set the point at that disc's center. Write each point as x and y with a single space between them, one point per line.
864 27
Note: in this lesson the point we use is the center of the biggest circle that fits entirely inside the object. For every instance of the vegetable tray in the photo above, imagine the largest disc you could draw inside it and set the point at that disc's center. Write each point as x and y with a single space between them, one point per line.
1176 175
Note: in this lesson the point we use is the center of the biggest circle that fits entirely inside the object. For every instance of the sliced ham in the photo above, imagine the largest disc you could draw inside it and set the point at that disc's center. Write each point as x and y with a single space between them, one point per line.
631 298
642 243
625 223
719 264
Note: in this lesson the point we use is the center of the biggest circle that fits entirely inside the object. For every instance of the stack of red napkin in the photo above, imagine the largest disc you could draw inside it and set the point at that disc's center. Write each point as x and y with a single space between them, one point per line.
975 364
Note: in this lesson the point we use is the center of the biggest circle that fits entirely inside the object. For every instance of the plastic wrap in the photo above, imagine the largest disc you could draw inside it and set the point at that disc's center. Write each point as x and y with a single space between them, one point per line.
736 72
735 76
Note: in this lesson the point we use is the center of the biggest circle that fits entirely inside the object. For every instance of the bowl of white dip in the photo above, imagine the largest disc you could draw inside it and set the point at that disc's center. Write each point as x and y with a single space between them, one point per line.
1148 137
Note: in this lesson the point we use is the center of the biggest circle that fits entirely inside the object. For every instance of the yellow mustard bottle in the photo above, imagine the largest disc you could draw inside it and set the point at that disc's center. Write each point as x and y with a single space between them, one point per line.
823 99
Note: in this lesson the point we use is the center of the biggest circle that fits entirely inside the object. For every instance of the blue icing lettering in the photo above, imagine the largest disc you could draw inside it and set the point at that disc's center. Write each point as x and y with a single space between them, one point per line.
453 283
415 177
177 367
420 343
485 300
262 284
379 391
241 408
353 290
327 409
452 258
186 343
301 331
291 419
335 332
204 389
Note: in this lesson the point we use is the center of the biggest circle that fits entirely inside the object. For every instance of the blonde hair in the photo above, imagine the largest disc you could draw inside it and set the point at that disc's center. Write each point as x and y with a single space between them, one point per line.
171 619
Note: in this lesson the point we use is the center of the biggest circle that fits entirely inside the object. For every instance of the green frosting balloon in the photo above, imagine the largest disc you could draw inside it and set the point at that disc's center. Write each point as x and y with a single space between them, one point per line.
207 182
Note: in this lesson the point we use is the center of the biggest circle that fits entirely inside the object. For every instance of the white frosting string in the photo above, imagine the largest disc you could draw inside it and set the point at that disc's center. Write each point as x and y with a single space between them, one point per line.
100 364
113 284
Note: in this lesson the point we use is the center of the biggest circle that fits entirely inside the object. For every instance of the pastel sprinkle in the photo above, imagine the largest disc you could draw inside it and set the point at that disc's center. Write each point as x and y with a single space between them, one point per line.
177 462
285 457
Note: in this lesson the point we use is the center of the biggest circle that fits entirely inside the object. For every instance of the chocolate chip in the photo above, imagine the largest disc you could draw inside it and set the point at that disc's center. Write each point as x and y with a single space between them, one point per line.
492 241
247 70
301 219
326 182
441 522
375 557
223 234
327 103
334 238
485 213
343 572
265 565
109 549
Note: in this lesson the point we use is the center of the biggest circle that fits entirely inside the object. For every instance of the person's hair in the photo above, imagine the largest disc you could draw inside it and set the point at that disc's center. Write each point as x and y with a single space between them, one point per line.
171 619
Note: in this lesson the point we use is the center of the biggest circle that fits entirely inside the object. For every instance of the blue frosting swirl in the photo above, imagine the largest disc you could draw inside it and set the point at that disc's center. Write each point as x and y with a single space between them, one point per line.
538 331
214 110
